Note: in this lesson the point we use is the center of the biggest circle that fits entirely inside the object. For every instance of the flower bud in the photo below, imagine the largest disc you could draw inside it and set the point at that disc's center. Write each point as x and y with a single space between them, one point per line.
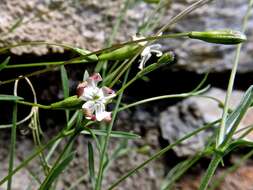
84 52
227 37
122 53
166 58
72 102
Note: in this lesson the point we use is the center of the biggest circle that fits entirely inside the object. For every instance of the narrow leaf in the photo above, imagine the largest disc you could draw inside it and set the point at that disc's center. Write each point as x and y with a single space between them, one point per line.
65 82
4 63
115 134
5 97
13 144
65 86
236 116
91 163
177 171
58 170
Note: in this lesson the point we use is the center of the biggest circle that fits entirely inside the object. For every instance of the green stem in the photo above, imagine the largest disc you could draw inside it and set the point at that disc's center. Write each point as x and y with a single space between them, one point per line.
30 158
48 177
13 144
34 104
28 75
233 168
222 132
105 145
43 64
116 26
34 43
184 13
210 171
183 95
160 153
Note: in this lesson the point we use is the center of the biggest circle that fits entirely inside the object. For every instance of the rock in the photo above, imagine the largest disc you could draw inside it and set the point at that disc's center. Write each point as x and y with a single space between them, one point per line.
239 179
197 56
191 114
87 24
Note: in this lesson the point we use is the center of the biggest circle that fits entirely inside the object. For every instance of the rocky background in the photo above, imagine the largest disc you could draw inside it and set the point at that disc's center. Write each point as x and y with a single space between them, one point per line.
88 24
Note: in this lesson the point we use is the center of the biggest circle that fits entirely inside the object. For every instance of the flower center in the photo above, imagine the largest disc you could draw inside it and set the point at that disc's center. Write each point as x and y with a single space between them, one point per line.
95 97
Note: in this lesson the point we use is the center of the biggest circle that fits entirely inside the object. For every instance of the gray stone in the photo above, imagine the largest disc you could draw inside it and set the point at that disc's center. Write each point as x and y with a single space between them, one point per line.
200 57
87 24
191 114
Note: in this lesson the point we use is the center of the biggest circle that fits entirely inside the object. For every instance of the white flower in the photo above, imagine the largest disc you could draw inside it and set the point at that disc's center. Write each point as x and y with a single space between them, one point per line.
96 98
147 52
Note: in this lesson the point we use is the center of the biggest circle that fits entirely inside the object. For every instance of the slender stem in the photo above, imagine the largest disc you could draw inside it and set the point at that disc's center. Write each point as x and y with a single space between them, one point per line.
210 171
116 26
34 104
48 177
28 75
42 64
184 34
30 158
221 136
222 132
105 146
124 70
13 144
184 13
35 43
183 95
233 168
160 153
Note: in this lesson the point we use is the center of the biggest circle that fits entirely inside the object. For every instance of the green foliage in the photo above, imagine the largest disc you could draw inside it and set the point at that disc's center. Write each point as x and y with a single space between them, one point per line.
115 63
4 63
5 97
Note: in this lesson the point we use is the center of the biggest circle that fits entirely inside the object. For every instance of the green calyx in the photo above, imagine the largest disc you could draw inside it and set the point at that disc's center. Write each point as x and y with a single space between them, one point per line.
227 37
72 102
122 53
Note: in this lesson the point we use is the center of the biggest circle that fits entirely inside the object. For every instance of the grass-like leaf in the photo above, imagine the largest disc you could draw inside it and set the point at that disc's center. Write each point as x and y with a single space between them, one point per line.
13 144
65 86
4 63
5 97
91 164
177 171
57 171
65 82
236 116
115 134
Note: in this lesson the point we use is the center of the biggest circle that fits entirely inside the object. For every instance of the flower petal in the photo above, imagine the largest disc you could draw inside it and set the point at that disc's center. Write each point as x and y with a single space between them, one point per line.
80 88
100 112
86 75
144 59
88 109
107 91
155 48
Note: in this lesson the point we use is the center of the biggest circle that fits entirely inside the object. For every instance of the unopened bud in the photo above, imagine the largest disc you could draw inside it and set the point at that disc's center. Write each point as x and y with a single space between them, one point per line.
227 37
166 58
122 53
72 102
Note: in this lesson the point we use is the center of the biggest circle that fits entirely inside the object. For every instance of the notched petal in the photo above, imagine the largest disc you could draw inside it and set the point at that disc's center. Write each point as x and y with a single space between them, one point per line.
80 88
107 91
96 77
